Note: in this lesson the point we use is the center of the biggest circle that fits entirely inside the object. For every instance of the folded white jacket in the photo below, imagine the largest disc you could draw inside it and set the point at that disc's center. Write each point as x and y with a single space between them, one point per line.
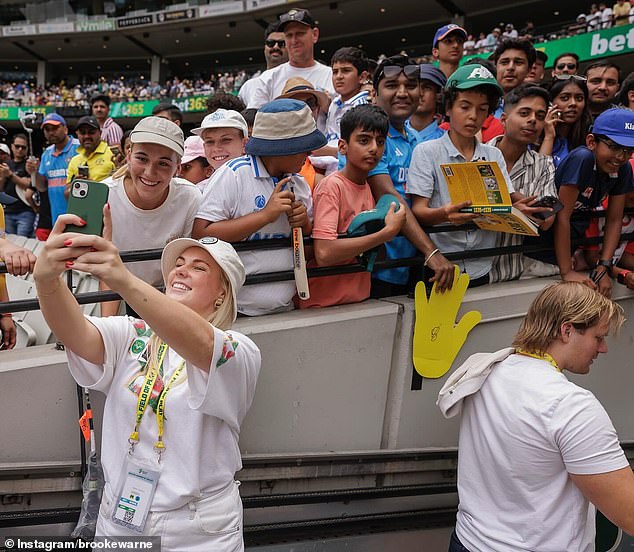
467 380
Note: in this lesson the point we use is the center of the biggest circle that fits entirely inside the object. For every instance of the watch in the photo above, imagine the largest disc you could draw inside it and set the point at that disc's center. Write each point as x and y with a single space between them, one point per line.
620 277
607 264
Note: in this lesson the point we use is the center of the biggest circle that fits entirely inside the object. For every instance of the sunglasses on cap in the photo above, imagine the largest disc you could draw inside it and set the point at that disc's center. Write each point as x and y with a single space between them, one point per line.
562 66
271 43
411 71
293 15
571 77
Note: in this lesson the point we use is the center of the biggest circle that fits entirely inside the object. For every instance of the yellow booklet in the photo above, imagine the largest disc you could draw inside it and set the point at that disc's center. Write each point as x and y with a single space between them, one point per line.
483 184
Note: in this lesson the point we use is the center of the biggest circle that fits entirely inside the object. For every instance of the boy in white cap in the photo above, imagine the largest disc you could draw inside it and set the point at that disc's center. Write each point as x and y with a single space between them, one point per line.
224 133
149 208
194 165
260 196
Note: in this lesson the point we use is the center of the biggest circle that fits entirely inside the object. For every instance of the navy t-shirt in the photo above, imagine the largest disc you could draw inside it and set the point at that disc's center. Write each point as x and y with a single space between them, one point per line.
579 169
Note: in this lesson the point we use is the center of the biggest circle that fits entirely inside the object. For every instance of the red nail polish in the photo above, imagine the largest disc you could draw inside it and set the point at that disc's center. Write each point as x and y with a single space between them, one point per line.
68 243
82 221
69 264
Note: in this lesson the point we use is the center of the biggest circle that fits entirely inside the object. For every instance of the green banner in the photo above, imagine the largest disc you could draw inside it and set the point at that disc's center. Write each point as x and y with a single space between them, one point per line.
117 109
13 113
598 44
143 109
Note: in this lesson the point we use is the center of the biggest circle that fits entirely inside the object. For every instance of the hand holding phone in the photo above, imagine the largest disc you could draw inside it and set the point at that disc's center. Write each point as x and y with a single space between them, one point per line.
86 200
550 202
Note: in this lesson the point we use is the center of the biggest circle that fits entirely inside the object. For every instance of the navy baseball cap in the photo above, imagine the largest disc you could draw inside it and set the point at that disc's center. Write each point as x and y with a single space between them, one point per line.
432 74
617 124
54 119
446 30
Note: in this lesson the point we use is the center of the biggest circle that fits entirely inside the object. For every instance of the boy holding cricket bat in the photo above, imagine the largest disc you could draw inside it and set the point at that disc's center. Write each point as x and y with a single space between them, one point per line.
260 196
339 198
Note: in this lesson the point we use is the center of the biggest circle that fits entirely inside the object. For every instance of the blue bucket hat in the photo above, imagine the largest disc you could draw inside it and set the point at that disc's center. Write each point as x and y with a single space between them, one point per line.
284 127
617 124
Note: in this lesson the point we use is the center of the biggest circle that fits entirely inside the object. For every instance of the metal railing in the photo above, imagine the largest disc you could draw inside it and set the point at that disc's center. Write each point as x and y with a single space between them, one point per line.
286 275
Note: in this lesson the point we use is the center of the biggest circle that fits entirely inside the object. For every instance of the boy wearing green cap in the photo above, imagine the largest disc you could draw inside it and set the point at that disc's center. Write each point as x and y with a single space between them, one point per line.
471 95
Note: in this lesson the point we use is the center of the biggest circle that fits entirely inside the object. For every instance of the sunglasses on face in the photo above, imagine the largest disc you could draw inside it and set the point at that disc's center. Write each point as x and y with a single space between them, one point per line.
571 77
570 66
272 43
16 146
410 71
615 148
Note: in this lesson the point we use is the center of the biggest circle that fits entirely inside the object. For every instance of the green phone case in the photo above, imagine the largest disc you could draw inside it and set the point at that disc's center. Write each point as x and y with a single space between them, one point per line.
86 200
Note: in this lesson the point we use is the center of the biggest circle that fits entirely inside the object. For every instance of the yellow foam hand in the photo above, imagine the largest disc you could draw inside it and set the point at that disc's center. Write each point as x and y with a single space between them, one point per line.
437 337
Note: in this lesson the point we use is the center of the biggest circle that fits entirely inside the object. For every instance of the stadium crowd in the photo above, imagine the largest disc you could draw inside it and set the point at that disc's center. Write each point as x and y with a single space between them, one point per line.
359 155
125 89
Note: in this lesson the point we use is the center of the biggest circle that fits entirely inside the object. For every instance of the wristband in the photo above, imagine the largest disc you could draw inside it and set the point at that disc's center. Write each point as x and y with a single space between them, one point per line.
607 264
6 315
427 259
620 277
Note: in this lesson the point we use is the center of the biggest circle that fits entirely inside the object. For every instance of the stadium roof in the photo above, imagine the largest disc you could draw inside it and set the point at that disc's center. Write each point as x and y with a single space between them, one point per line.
236 39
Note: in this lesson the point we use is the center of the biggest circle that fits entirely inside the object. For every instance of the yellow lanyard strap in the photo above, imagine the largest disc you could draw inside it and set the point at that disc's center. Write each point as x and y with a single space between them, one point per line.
540 356
160 407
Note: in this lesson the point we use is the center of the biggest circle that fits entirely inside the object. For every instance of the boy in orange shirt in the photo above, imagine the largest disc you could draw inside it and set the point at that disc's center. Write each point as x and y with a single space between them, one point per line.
338 199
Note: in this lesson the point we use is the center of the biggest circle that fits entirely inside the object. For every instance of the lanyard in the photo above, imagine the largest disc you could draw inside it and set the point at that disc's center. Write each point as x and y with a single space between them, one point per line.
540 356
144 397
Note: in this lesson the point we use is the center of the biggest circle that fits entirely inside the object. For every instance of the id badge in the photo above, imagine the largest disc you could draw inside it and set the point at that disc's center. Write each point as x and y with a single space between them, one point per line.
135 494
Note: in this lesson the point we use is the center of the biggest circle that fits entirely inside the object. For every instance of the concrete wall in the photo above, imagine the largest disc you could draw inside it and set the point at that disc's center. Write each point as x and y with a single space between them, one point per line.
336 379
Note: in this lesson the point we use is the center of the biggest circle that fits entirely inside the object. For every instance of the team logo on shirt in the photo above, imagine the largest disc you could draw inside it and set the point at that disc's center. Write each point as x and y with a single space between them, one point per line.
260 202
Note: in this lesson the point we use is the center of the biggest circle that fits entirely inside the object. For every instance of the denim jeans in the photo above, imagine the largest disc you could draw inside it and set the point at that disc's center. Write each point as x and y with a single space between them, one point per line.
20 223
455 545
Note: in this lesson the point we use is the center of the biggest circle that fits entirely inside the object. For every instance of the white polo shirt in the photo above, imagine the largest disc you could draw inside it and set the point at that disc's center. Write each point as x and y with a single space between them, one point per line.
241 187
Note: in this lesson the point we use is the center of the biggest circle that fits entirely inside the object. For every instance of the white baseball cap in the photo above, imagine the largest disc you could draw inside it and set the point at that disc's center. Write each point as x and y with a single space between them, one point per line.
223 118
156 130
221 252
5 149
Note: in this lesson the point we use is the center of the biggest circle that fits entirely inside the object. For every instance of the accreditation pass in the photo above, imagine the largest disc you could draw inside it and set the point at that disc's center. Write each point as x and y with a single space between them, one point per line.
135 496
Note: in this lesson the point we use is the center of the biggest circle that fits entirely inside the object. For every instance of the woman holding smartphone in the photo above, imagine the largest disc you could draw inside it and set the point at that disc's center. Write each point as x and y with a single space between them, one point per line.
178 384
149 207
568 119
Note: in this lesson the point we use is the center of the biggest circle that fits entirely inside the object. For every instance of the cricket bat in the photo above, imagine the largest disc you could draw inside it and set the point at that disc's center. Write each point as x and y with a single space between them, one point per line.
299 263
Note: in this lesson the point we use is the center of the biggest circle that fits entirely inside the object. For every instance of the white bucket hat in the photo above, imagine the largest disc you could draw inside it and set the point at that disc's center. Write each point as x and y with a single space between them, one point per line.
221 252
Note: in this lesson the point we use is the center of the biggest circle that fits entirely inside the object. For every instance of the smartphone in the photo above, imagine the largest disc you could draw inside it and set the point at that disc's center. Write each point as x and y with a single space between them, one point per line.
115 151
86 200
83 171
551 202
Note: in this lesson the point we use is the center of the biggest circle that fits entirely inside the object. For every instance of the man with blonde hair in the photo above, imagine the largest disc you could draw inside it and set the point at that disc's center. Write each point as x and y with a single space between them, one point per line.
538 452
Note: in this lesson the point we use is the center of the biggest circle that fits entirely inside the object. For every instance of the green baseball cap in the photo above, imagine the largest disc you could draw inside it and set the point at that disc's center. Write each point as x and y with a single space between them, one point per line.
470 76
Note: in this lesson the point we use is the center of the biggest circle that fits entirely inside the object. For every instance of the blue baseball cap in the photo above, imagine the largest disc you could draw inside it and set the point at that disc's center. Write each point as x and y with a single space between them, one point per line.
432 74
54 119
617 124
447 30
284 127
